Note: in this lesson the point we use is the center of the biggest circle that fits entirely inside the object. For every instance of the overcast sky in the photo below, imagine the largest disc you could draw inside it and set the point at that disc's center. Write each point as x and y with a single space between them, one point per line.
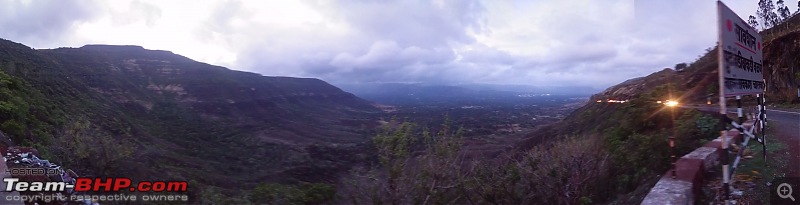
544 42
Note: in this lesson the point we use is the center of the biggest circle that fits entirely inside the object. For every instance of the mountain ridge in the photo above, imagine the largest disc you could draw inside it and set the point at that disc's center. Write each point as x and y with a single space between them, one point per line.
184 119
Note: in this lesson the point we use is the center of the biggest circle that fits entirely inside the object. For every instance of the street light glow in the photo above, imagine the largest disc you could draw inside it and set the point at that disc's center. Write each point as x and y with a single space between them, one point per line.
671 103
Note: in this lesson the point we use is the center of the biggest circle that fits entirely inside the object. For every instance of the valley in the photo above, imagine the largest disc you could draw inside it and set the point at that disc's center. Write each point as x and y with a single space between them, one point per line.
154 115
388 102
489 127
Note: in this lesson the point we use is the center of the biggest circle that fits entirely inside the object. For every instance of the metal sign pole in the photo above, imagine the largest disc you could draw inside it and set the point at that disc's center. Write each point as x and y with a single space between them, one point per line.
724 157
758 117
740 61
724 133
764 123
739 111
722 110
672 154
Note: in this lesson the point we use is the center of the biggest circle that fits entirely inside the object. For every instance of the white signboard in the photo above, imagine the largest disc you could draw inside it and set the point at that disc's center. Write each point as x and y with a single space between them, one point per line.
740 55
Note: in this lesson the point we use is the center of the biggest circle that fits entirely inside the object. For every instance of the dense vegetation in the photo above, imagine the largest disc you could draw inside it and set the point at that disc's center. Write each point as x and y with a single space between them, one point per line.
428 166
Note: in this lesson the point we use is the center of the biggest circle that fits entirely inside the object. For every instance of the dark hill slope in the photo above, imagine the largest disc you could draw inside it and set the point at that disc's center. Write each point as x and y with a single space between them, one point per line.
700 79
141 79
781 70
634 133
187 119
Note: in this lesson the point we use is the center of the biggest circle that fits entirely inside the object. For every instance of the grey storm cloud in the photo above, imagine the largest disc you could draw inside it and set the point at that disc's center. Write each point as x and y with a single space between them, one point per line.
412 44
415 23
42 21
577 42
483 54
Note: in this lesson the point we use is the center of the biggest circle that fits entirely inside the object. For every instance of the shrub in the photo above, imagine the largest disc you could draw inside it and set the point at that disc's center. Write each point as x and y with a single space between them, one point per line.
414 168
82 144
309 193
571 171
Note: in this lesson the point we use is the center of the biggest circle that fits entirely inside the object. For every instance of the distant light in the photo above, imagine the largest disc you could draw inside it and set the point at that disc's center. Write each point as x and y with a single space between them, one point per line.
658 101
671 103
599 101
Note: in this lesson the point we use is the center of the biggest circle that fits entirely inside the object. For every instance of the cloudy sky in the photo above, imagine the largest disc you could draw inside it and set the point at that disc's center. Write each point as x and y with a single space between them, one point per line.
539 42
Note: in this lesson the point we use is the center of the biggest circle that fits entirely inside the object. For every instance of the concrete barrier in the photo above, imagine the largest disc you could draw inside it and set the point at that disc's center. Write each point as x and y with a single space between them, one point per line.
670 191
709 155
689 173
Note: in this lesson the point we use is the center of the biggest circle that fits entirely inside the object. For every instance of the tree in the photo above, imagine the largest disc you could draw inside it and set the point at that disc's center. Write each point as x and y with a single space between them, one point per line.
766 12
783 10
413 169
753 22
680 66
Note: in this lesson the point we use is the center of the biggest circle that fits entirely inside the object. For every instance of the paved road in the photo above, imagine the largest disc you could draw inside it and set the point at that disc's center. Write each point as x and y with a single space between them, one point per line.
792 118
6 195
786 125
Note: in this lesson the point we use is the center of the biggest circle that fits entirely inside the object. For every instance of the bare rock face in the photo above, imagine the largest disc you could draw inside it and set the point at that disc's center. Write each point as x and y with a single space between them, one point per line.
783 67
